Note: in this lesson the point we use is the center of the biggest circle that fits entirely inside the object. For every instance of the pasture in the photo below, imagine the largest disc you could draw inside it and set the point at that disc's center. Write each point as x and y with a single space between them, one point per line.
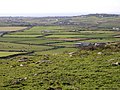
11 28
49 37
83 70
5 54
56 63
22 36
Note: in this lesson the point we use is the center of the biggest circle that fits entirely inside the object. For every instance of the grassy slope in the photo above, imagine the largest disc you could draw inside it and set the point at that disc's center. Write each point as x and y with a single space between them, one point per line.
84 70
56 68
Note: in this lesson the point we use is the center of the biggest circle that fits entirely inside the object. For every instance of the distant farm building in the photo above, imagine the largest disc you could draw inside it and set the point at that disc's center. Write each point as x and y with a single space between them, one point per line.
99 44
83 44
89 45
116 28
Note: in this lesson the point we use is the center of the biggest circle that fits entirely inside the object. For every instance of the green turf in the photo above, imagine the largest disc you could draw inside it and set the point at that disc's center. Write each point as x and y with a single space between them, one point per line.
3 54
83 70
22 36
21 47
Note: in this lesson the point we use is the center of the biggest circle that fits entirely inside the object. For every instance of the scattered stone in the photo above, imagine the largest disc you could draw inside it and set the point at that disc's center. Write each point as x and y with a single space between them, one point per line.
11 66
22 79
43 61
25 78
116 64
15 82
23 59
111 60
35 74
99 53
71 54
21 65
37 62
18 81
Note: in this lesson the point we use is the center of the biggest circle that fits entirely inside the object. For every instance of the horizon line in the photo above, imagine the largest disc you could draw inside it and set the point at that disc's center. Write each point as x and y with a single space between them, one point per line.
57 15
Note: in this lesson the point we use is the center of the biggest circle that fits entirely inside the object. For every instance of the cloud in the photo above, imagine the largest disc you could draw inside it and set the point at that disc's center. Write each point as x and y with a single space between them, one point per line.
58 6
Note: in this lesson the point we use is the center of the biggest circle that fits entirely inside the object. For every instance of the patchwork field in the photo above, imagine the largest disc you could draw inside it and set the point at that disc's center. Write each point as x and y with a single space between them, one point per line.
55 62
54 37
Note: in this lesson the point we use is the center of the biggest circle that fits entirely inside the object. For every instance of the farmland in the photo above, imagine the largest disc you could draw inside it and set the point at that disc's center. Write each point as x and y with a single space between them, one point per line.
4 54
42 53
11 28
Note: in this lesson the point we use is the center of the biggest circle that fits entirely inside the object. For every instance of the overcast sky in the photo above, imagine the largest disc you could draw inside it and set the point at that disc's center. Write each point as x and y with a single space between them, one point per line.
57 7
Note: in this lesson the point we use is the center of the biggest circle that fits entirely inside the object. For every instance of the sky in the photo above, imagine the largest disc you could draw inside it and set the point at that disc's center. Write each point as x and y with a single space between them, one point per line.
57 7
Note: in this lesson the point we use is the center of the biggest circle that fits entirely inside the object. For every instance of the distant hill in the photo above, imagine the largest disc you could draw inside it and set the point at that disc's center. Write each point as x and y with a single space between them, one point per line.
90 21
103 15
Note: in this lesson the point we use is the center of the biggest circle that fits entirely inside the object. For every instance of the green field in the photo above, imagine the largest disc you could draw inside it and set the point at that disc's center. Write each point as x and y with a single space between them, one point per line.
4 54
11 28
21 47
82 36
55 62
51 36
22 36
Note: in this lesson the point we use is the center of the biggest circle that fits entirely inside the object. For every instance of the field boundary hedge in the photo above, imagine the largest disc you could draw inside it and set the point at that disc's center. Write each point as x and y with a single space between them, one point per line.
10 56
21 30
